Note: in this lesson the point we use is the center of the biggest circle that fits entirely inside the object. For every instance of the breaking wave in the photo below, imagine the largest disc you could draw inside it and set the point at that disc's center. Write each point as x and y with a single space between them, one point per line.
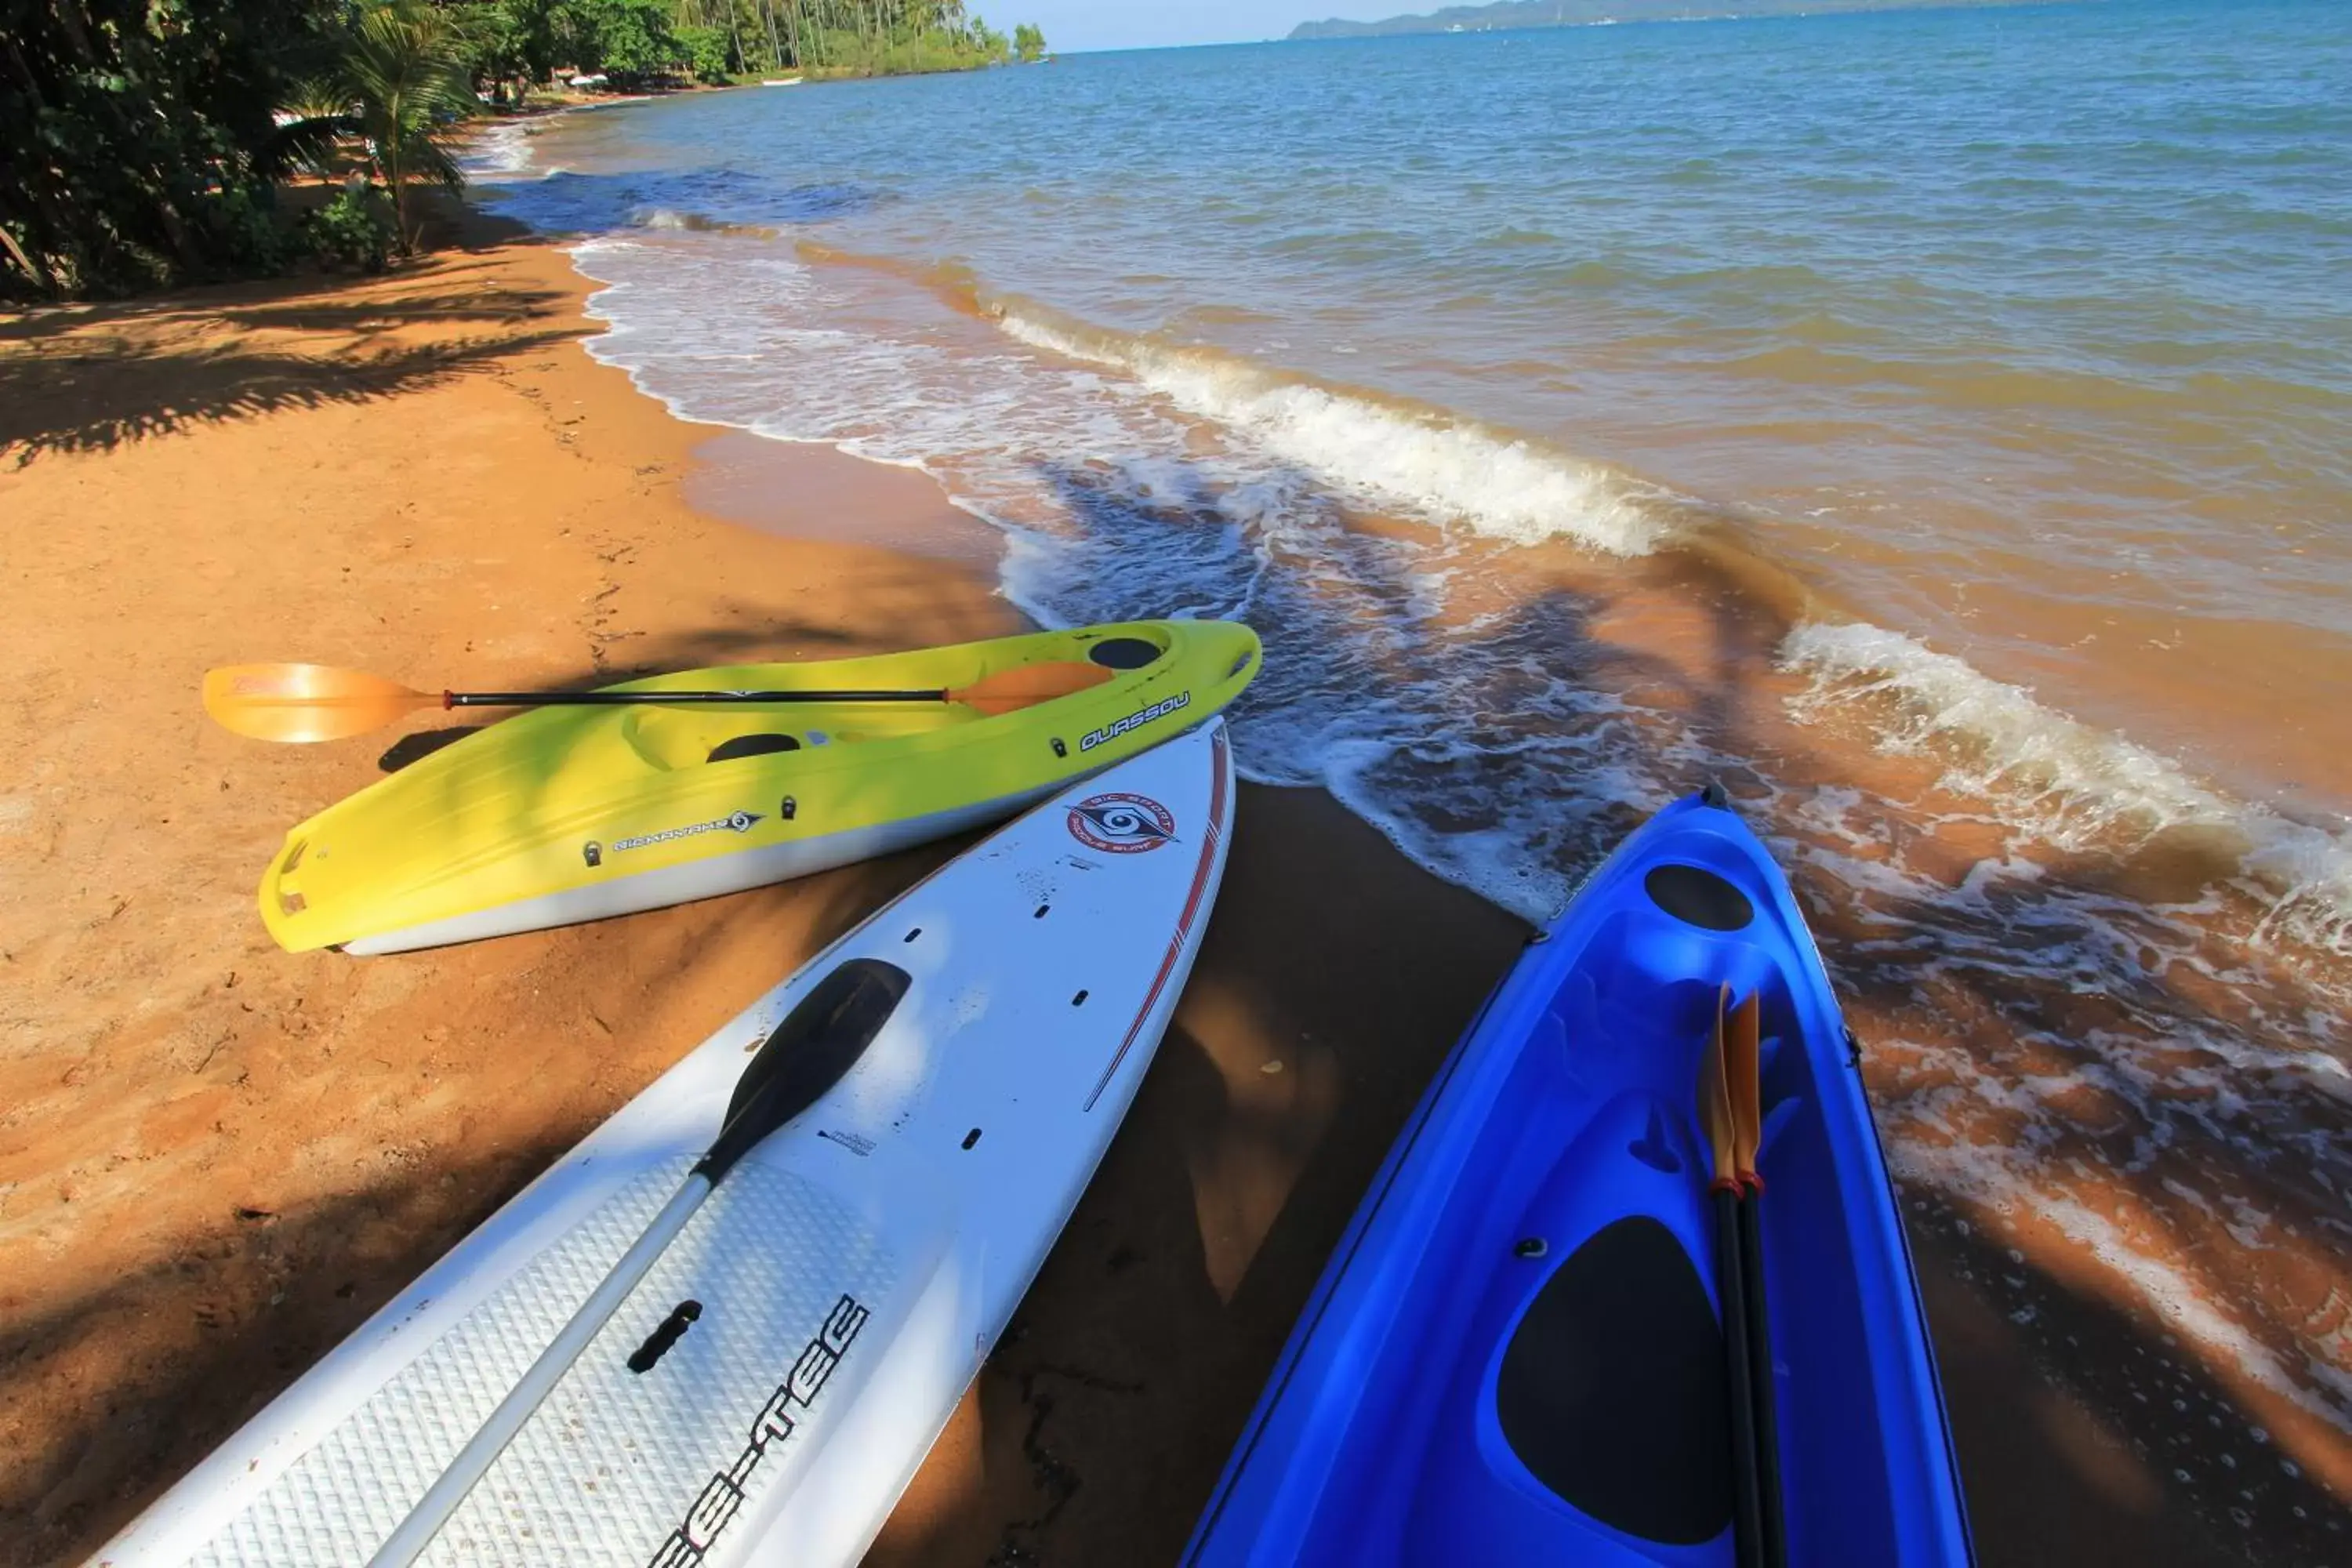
2077 786
1378 449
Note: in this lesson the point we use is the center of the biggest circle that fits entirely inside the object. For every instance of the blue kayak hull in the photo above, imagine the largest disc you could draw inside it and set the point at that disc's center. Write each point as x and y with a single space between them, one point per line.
1517 1354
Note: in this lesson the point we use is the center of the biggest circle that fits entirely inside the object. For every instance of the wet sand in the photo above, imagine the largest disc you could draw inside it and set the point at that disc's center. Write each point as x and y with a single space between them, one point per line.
216 1159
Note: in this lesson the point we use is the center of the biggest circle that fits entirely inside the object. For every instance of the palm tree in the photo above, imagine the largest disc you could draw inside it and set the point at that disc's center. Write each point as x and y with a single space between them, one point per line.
406 81
398 78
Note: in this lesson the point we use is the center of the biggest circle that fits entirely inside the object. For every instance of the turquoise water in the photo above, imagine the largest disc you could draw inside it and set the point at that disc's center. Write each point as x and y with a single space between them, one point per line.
1938 424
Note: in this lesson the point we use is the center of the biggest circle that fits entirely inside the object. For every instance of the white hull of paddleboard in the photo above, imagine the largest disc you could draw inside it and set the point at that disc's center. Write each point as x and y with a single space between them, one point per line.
851 1273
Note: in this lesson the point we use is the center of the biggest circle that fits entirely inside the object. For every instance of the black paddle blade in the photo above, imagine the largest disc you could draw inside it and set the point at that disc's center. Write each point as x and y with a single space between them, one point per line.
818 1041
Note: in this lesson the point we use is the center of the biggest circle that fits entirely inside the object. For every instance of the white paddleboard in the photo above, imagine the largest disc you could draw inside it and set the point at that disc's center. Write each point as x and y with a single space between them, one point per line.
846 1277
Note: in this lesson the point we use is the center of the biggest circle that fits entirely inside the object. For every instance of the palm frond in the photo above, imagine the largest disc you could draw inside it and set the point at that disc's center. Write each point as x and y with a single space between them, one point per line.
405 57
305 144
429 161
403 70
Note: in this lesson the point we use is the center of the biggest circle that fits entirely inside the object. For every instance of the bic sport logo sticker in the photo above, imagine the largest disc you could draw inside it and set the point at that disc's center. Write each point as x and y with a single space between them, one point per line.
733 822
1123 824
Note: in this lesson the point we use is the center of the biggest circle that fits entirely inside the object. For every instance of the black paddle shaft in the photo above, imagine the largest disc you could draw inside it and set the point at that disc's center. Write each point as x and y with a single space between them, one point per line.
1759 1331
1746 1487
636 699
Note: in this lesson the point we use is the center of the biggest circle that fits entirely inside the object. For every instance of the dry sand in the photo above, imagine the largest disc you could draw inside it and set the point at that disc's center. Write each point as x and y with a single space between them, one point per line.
216 1159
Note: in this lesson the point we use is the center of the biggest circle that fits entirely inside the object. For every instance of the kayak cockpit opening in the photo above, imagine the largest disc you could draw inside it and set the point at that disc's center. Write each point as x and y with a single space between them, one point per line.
1696 896
1611 1390
759 745
672 739
1124 652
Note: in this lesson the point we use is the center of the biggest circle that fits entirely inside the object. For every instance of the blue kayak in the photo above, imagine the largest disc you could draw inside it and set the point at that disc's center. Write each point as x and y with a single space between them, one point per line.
1520 1352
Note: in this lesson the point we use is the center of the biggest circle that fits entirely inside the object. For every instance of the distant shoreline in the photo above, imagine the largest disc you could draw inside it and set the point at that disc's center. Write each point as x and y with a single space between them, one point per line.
1522 16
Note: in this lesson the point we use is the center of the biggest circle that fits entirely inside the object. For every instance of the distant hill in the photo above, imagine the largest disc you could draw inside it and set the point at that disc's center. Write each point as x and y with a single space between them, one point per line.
1589 13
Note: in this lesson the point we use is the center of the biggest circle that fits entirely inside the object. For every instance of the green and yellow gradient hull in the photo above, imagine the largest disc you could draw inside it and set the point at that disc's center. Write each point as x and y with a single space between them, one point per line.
561 815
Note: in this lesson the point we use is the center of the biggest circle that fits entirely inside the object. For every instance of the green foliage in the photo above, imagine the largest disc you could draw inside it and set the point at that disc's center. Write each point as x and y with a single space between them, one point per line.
243 224
848 55
138 147
626 39
401 76
354 230
708 54
852 37
127 136
640 41
508 44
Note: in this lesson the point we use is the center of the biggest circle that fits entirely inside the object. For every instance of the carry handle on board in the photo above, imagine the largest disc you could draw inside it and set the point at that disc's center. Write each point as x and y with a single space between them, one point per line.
818 1041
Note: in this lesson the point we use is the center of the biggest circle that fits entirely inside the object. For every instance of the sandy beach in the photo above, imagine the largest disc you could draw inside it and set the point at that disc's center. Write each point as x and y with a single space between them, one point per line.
216 1159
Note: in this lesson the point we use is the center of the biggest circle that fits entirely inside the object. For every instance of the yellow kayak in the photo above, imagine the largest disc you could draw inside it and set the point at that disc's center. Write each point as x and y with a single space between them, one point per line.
561 815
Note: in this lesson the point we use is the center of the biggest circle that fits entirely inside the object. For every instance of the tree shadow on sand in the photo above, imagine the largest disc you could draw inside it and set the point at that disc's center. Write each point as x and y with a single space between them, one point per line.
252 1304
93 380
746 637
126 1382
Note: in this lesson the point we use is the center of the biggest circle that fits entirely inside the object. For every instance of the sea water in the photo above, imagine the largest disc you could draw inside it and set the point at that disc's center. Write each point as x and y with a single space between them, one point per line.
1935 425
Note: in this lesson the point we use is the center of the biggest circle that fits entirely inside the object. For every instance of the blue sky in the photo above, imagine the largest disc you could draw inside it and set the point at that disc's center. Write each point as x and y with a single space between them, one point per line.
1073 24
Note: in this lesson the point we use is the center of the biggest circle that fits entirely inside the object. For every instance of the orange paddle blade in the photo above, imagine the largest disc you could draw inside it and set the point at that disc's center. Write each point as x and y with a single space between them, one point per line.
1715 1095
1743 1065
1009 690
302 702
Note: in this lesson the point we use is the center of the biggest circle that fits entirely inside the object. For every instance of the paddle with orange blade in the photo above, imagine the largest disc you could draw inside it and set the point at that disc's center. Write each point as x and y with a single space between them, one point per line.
1730 1110
304 702
1717 1103
1743 1068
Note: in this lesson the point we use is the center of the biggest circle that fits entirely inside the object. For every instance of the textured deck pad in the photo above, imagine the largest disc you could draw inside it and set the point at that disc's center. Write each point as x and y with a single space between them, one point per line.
617 1468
